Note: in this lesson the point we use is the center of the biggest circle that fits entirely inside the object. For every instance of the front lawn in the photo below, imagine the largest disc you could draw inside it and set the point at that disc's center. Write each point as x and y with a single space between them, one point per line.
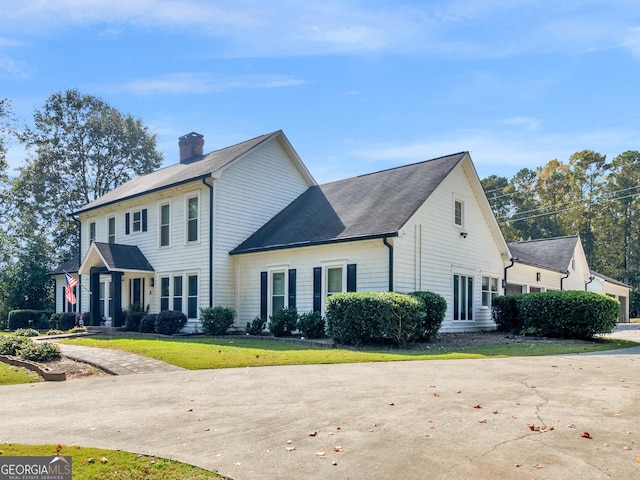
99 463
10 375
197 353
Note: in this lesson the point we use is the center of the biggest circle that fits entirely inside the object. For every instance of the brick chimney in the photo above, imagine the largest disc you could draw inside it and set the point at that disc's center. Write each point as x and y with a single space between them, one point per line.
191 146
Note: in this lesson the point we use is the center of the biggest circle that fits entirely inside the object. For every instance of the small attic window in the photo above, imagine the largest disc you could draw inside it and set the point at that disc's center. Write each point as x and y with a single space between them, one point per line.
573 264
458 213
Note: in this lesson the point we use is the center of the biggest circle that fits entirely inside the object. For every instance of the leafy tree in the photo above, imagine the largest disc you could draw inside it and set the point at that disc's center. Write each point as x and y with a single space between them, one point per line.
80 148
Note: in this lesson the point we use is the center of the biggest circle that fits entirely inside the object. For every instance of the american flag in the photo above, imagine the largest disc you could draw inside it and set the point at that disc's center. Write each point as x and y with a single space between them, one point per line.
68 289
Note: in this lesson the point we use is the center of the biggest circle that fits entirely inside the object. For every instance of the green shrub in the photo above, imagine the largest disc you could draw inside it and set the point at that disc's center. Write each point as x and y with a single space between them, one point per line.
26 332
132 320
148 323
283 322
77 329
29 319
368 317
55 332
504 311
568 314
12 344
53 320
216 320
256 326
434 307
311 324
170 322
40 351
67 321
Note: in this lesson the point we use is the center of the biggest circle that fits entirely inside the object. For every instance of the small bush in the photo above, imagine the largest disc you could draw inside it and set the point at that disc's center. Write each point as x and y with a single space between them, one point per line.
55 332
148 323
40 351
53 321
85 319
216 320
170 322
283 322
29 319
67 321
12 344
504 311
77 330
132 320
26 332
256 326
434 307
311 324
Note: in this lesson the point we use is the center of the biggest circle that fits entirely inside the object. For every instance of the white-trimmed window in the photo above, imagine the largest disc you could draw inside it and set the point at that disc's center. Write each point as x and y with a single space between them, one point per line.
193 218
278 290
171 293
489 290
335 276
92 232
458 212
177 293
165 225
136 221
192 296
164 293
111 229
462 297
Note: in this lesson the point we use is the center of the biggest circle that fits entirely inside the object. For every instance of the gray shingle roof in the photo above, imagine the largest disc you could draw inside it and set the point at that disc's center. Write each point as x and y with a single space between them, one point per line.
70 266
369 206
609 279
177 174
551 253
123 257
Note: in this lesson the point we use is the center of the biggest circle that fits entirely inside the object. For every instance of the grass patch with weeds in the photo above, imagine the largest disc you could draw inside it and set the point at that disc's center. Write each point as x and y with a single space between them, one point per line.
12 375
99 463
202 353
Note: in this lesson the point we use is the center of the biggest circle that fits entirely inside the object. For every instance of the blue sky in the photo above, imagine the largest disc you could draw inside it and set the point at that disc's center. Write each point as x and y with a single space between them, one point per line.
357 86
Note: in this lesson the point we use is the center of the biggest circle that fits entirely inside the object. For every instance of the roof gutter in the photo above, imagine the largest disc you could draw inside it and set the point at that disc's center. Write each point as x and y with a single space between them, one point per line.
563 278
204 180
390 247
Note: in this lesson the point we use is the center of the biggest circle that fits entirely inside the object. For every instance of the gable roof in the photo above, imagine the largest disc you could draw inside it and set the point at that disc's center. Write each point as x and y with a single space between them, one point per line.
198 168
70 266
375 205
115 256
551 253
609 279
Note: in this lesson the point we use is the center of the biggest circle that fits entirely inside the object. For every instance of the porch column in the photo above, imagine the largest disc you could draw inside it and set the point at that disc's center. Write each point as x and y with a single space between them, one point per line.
94 300
118 315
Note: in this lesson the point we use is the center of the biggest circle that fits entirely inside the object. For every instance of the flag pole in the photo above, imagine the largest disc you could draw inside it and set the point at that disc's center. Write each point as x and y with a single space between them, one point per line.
79 282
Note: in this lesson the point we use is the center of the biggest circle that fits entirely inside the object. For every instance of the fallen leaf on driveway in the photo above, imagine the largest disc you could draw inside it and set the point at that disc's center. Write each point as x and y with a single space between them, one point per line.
290 449
477 406
538 465
313 434
337 449
586 435
321 454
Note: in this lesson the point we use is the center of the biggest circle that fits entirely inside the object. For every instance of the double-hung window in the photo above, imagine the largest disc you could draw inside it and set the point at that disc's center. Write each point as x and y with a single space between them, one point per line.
192 296
489 290
458 212
193 214
278 285
92 232
462 297
335 283
165 225
111 229
136 225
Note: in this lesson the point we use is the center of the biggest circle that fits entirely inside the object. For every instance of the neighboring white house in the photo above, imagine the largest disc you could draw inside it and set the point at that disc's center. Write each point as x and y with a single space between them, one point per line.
559 264
248 227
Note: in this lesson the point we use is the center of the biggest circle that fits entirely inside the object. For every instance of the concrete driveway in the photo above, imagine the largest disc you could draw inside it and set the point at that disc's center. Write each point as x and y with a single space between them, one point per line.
463 419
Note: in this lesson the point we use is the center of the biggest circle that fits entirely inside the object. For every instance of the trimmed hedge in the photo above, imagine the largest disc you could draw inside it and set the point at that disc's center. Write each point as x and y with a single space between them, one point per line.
216 320
29 319
170 322
561 314
148 323
311 324
435 307
67 321
368 317
283 322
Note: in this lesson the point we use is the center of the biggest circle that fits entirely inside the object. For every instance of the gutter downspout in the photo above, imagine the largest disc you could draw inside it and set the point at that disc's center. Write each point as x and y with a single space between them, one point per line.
591 279
204 180
562 279
390 247
513 260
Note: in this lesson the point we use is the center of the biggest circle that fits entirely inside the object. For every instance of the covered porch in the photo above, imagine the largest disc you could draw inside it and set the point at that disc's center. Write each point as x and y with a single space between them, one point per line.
119 275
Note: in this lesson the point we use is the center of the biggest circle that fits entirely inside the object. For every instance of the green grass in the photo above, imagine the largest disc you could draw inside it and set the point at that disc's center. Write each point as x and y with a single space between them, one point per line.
119 465
202 353
10 375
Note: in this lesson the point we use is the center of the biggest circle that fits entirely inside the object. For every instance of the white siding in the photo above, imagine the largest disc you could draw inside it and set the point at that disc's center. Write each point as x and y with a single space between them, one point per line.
248 194
371 258
527 277
431 249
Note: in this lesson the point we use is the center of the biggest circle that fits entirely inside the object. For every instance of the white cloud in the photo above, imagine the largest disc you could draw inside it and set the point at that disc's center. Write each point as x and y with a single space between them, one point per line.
16 69
199 83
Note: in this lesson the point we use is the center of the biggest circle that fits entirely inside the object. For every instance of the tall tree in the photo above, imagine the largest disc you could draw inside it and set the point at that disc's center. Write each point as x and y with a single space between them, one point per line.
80 148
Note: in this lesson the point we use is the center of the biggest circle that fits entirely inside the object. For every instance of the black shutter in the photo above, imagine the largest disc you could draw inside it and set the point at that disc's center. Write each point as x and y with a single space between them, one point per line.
351 277
317 289
263 295
144 219
292 288
127 218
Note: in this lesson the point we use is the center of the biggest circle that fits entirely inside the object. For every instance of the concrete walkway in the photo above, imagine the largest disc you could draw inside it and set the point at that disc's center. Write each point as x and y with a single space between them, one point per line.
116 362
562 417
